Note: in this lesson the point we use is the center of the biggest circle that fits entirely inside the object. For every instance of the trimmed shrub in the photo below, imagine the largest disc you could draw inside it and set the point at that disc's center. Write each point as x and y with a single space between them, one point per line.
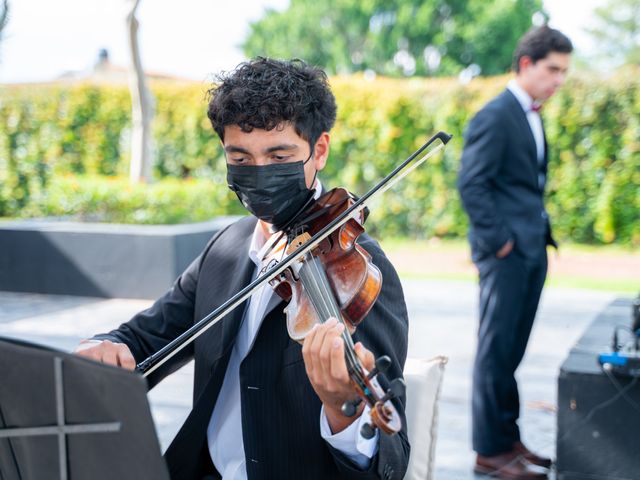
116 200
593 129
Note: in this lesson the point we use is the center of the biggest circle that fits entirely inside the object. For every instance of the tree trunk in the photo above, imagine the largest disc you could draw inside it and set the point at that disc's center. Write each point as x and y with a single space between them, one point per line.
4 16
142 104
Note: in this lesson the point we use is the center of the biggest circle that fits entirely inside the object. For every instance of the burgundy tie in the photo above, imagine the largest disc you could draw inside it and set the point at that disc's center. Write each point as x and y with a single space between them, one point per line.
536 107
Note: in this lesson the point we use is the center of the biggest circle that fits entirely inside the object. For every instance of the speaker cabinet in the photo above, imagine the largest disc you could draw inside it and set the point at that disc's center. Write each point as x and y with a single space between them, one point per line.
598 434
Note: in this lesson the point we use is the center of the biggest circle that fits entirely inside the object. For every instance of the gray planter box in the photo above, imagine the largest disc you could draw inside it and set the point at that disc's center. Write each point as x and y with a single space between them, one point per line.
98 259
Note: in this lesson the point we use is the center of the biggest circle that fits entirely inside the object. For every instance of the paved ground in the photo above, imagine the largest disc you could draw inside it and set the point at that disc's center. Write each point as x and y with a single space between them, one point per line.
443 322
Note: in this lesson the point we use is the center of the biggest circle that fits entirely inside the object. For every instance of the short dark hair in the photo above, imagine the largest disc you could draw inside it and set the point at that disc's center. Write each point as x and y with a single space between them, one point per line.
538 42
265 93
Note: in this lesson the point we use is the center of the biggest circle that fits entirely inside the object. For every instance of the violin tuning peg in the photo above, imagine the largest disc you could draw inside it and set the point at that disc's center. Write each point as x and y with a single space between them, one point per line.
367 431
382 365
349 409
396 389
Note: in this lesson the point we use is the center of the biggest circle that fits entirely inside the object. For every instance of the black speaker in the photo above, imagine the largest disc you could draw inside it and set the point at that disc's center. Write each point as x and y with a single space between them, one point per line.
635 314
598 433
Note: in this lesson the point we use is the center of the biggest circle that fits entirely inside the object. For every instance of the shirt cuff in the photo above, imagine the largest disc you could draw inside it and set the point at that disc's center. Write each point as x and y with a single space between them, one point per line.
349 441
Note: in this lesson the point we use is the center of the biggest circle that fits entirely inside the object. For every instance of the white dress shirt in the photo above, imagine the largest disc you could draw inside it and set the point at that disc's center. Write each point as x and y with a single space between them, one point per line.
535 123
224 433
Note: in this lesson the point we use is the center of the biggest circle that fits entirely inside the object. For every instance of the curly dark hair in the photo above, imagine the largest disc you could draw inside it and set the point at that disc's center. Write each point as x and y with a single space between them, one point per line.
265 93
539 42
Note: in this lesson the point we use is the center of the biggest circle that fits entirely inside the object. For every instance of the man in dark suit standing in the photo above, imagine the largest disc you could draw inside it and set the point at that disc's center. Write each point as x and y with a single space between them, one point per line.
501 182
265 407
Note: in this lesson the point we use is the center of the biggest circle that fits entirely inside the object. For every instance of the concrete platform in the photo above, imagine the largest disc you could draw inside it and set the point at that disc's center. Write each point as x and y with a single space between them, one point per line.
98 259
443 322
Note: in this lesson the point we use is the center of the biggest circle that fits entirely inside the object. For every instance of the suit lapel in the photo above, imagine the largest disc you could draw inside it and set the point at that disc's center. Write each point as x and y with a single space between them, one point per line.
234 270
242 275
523 124
526 134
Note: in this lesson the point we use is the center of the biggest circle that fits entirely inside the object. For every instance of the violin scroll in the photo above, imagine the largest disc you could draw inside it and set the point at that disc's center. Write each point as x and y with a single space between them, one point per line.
383 413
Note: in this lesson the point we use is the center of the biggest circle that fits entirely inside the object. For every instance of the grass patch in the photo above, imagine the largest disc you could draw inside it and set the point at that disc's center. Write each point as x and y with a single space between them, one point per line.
461 245
611 268
432 244
593 283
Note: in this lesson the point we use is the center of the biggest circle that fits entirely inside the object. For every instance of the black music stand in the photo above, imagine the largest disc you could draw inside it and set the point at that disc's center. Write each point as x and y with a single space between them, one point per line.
64 417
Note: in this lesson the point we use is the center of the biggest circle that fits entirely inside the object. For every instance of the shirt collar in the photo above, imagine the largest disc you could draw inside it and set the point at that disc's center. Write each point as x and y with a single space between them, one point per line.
259 241
524 99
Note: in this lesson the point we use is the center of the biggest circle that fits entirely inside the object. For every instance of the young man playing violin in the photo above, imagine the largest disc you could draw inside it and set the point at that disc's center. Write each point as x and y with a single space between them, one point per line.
264 406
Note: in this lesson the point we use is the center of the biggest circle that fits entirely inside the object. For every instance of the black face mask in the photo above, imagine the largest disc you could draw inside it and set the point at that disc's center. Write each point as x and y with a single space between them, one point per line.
274 193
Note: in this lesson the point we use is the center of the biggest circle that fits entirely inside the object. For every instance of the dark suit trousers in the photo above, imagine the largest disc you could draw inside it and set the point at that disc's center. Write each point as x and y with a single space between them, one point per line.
510 289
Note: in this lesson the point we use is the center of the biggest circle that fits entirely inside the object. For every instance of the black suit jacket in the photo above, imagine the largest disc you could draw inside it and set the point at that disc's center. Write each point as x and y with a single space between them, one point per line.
498 181
280 412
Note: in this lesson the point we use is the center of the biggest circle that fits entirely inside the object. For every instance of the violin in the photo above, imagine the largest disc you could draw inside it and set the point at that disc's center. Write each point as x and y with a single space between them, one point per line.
337 279
312 253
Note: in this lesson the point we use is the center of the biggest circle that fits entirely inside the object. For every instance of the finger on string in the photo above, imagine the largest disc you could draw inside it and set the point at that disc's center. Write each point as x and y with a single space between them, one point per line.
306 349
365 356
334 329
338 366
311 355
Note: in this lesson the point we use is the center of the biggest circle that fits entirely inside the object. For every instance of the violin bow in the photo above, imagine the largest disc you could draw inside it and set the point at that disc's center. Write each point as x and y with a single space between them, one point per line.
417 158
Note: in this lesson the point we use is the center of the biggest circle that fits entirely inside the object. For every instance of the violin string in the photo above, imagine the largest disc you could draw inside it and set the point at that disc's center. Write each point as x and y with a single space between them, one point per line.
316 283
322 283
322 301
319 284
317 298
337 313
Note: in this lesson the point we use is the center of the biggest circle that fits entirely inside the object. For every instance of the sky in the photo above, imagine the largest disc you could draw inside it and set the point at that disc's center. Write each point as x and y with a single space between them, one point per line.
45 38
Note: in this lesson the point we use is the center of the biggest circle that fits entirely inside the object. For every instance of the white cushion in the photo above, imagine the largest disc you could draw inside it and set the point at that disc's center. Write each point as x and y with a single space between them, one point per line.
424 380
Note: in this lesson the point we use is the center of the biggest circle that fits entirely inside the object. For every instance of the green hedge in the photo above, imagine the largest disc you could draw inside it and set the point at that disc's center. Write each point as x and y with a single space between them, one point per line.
50 133
116 200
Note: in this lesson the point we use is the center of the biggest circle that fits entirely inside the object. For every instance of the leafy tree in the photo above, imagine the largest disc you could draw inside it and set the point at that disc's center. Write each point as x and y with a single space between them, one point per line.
617 31
395 37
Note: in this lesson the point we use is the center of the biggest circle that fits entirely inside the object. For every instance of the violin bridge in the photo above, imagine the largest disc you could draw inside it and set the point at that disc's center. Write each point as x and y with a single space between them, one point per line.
297 242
